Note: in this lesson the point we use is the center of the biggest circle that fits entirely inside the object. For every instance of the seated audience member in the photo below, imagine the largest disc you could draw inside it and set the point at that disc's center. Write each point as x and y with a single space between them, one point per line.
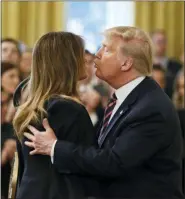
170 65
158 75
9 81
8 147
178 97
10 51
25 64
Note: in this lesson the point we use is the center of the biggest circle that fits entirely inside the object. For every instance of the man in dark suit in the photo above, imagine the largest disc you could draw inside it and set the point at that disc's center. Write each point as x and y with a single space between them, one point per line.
139 145
171 66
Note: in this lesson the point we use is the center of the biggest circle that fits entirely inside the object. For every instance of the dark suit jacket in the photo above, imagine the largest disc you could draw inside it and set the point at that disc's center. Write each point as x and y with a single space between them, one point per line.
181 114
173 68
38 179
139 154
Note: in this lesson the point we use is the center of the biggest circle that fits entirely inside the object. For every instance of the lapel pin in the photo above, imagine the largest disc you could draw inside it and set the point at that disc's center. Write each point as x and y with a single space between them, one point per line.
121 112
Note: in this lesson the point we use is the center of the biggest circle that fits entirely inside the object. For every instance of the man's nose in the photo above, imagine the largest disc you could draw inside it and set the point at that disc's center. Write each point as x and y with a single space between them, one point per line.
98 54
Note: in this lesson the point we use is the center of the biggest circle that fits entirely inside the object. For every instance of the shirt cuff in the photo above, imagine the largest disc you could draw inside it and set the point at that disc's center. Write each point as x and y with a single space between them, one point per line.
52 151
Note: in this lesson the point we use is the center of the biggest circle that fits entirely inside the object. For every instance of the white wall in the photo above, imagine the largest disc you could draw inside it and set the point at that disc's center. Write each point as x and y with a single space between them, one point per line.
120 13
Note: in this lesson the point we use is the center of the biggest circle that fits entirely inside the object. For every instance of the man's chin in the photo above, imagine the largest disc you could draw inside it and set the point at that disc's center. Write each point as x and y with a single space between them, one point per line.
98 74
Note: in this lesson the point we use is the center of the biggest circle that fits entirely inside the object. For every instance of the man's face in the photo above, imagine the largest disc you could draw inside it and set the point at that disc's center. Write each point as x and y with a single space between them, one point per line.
159 41
10 52
108 59
159 77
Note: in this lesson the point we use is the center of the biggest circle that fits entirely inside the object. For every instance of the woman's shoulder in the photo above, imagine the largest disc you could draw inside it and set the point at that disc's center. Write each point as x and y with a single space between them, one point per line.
67 113
64 104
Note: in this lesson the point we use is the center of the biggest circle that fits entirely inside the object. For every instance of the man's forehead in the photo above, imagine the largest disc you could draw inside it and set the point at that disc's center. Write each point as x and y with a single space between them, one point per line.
112 42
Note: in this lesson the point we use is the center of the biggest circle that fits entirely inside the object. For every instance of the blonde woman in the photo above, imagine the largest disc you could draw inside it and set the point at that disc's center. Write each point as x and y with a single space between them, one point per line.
57 65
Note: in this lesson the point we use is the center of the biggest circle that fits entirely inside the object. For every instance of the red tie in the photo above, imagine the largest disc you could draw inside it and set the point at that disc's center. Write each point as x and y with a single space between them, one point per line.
108 112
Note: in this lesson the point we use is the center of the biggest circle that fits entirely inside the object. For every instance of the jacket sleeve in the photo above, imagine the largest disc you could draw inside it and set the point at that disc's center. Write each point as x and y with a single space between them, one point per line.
135 145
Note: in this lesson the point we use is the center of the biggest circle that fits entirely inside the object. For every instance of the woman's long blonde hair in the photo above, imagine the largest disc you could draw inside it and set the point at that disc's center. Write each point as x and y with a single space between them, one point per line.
57 64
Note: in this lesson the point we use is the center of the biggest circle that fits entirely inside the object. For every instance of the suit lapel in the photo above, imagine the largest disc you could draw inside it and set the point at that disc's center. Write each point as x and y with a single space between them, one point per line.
119 113
126 106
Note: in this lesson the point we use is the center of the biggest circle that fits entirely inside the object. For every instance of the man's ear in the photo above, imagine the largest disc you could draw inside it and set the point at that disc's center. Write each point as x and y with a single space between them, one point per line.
127 64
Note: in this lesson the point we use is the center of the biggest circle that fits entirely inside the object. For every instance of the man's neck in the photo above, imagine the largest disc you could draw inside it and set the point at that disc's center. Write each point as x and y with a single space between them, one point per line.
125 81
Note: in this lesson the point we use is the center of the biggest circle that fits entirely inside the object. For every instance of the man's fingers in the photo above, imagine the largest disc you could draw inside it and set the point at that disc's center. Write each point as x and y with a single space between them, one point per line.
29 144
33 129
29 136
46 123
33 152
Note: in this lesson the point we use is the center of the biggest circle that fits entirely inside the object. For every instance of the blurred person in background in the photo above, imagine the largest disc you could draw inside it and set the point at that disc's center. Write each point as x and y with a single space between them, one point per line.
179 103
90 96
158 74
10 78
9 81
89 62
10 51
92 101
178 97
25 63
170 65
8 148
182 58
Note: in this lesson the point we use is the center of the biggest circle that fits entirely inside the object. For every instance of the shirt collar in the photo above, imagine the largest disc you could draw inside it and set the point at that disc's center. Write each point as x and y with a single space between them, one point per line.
125 90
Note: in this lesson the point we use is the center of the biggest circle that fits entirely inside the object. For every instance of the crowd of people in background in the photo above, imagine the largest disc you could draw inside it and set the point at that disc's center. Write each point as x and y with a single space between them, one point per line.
16 66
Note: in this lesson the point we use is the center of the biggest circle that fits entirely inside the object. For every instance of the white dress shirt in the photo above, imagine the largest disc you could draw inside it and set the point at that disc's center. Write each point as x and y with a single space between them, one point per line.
121 95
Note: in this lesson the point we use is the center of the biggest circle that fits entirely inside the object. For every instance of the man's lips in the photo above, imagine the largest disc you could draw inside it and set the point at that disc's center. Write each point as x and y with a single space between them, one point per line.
95 65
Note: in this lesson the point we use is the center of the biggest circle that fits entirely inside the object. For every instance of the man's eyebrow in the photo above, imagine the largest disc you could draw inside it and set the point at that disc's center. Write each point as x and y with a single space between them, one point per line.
106 45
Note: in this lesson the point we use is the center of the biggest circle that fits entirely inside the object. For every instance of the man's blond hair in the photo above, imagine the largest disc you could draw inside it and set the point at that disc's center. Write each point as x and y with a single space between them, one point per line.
138 46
